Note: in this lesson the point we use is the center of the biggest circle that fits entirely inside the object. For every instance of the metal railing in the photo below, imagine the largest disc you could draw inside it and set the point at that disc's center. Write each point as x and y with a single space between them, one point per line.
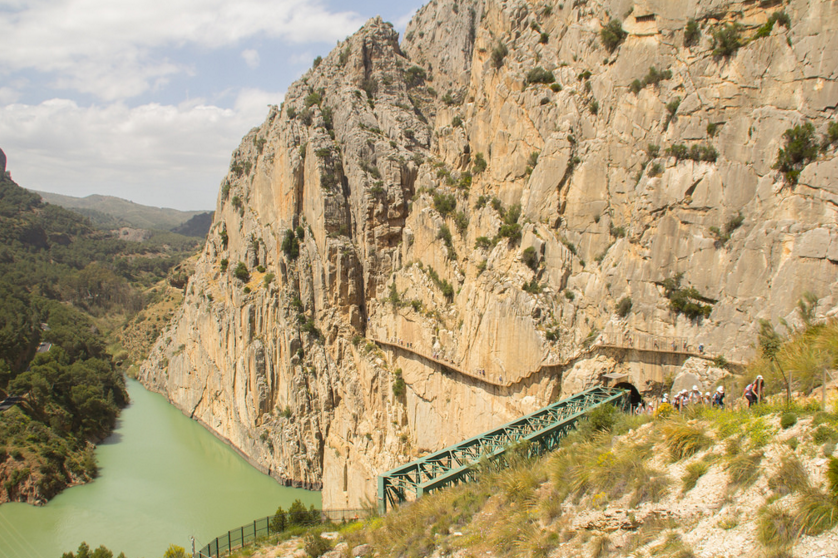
261 528
544 429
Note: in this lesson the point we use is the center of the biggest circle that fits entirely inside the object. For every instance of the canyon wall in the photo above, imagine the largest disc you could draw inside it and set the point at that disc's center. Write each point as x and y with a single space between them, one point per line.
429 237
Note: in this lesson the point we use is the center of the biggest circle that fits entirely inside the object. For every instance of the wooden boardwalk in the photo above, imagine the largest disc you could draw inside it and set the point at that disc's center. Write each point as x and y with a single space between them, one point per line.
611 340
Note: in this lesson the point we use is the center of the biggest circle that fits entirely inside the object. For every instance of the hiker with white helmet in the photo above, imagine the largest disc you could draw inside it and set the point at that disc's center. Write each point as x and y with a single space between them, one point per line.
719 397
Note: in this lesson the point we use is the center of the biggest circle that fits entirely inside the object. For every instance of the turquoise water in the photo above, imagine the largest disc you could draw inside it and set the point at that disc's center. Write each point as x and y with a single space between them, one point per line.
162 478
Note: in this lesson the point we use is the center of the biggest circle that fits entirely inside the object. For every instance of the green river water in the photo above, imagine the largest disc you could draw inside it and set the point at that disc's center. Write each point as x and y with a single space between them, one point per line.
162 478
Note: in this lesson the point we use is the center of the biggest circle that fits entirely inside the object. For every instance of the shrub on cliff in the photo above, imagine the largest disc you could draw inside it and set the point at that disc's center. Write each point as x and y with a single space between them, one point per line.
414 76
540 75
801 148
290 245
623 307
498 54
530 258
612 35
727 40
692 33
445 204
241 273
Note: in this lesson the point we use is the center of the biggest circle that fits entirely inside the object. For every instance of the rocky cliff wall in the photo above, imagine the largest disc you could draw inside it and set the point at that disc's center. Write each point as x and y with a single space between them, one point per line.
381 201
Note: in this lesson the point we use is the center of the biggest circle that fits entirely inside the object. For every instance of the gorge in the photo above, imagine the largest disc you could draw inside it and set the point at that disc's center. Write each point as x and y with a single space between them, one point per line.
510 183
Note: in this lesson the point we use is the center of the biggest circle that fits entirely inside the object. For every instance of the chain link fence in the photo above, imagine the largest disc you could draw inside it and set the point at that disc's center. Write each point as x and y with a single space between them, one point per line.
261 528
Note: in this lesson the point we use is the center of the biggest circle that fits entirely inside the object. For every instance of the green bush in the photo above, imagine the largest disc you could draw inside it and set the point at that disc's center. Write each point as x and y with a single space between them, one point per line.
788 420
623 307
279 521
461 222
290 245
479 165
498 54
399 387
636 86
223 264
672 106
312 99
727 40
603 417
800 149
824 434
445 204
533 287
692 33
704 152
483 242
315 545
686 301
612 35
530 258
831 135
241 273
414 76
299 515
540 75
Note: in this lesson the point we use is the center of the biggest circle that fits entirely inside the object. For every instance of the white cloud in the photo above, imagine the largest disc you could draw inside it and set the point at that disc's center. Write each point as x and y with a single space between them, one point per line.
8 95
112 49
251 58
155 154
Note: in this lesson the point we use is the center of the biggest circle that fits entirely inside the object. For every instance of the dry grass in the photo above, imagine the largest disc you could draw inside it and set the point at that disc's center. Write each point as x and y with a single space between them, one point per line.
684 439
744 469
600 546
694 471
534 542
776 527
816 512
595 468
790 476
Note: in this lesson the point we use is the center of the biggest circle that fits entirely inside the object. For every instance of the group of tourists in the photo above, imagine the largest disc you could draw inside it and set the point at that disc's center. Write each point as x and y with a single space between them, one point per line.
754 393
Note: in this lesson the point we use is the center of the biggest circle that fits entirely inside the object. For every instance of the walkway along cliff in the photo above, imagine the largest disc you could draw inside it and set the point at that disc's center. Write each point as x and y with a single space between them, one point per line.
506 185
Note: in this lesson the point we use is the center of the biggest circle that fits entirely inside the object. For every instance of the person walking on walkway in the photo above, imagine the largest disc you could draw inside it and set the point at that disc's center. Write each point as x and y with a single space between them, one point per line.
750 394
719 397
759 388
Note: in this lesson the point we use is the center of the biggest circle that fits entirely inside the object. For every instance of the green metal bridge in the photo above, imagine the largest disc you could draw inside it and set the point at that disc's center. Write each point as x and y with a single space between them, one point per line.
543 429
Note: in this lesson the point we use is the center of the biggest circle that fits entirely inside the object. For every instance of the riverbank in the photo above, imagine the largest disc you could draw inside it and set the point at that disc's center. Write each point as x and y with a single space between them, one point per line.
163 478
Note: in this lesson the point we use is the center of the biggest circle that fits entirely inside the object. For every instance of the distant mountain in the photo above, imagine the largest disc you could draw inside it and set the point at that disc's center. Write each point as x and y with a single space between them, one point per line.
197 226
109 212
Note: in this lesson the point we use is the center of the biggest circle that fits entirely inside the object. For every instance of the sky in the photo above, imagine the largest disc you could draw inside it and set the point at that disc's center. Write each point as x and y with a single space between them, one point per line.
147 99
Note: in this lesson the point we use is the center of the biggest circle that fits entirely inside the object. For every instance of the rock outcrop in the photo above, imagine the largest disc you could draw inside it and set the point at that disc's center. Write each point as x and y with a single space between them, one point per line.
495 191
2 163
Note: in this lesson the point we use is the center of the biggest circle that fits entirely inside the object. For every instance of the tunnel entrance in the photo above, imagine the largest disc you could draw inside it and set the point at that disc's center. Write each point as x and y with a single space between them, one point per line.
634 396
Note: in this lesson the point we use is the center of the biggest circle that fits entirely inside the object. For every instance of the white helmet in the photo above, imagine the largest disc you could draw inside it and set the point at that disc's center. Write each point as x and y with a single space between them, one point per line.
695 388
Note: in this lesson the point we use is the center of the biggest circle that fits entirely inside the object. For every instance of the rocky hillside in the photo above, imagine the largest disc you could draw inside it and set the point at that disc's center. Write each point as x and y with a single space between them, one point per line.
429 238
712 483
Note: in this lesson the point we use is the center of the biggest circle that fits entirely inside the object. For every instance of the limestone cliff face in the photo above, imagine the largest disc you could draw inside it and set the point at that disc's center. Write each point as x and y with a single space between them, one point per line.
381 202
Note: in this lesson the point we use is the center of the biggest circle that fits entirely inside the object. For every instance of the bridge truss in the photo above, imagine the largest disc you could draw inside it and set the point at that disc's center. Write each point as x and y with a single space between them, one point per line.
543 429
